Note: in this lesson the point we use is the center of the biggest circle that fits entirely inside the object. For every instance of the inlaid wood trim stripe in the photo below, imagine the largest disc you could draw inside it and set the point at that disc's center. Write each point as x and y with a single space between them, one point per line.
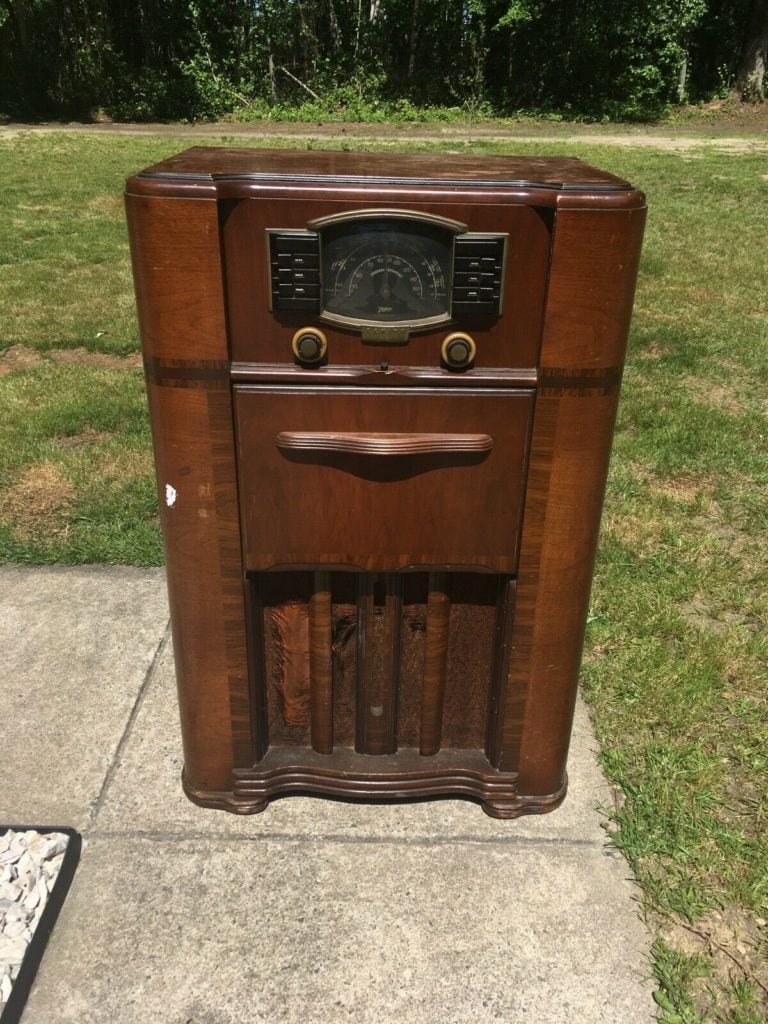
207 373
187 373
555 381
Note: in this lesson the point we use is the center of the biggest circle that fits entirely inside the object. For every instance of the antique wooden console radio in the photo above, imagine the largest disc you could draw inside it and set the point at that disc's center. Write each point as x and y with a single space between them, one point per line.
382 392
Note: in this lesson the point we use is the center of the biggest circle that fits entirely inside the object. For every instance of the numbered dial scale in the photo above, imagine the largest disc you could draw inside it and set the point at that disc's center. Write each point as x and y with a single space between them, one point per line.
386 273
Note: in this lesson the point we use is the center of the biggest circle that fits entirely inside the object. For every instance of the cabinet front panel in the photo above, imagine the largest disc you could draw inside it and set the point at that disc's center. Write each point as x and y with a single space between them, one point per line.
381 480
260 333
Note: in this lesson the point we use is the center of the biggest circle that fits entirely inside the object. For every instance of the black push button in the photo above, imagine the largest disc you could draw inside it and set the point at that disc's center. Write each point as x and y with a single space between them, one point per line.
304 242
477 273
306 291
306 261
475 246
295 274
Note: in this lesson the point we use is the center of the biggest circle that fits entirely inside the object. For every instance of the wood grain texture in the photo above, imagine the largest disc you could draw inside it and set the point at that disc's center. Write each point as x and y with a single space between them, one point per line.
256 650
179 291
435 664
351 509
234 166
291 629
511 340
378 663
320 662
345 773
586 327
501 708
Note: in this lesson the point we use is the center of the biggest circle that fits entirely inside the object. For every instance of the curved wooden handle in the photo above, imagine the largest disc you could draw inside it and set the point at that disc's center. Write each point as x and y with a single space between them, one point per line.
382 444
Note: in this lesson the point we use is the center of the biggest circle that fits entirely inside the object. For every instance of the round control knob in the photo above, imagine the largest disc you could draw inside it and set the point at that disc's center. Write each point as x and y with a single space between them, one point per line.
458 350
309 345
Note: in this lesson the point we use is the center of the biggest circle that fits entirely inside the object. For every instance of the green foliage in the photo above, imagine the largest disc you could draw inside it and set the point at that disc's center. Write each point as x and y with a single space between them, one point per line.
199 59
676 975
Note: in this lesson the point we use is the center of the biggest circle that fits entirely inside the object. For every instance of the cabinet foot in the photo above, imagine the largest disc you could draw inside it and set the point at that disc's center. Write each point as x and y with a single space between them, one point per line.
502 808
224 801
514 807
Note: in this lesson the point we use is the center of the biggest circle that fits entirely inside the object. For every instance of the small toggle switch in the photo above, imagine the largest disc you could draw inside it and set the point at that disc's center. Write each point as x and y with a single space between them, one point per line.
458 351
309 345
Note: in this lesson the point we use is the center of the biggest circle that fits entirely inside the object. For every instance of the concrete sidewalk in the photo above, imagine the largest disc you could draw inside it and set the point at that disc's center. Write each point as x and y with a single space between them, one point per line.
314 911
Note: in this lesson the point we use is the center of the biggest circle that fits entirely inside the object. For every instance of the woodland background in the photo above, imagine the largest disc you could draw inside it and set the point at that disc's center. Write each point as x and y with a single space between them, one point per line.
376 59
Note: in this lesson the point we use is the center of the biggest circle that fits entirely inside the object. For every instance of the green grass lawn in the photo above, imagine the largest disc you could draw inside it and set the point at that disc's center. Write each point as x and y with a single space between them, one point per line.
675 666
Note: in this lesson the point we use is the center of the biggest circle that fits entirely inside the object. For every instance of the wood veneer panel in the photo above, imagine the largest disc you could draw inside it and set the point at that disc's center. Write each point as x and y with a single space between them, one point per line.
586 326
511 340
233 163
381 513
181 315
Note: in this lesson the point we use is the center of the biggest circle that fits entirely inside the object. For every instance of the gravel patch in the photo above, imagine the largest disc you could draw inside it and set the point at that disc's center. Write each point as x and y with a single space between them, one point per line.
30 862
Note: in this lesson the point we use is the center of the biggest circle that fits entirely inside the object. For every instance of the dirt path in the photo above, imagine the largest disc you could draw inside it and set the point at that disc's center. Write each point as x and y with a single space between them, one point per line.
672 139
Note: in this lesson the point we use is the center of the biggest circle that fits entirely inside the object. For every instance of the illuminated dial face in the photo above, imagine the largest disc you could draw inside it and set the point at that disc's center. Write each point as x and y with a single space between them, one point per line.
386 271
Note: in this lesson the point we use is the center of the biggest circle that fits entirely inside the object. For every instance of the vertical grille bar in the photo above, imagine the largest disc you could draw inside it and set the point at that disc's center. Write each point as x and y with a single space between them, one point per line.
378 661
435 664
364 659
254 638
321 664
501 656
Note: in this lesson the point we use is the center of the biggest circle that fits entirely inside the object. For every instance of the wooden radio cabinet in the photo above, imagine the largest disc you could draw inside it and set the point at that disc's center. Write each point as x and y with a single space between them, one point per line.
382 391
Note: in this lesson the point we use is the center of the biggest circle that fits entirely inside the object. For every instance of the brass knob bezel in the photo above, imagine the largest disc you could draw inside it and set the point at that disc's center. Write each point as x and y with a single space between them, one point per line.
458 336
316 333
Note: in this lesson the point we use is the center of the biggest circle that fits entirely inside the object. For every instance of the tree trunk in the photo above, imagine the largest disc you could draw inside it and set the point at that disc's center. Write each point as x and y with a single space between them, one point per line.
357 28
333 27
682 80
750 78
412 39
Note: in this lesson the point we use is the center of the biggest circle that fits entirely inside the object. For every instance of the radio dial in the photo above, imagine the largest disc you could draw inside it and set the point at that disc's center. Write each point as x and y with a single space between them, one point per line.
309 345
459 350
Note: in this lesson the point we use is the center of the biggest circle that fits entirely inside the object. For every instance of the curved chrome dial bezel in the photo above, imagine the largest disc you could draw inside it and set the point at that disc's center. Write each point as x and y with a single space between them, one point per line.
382 329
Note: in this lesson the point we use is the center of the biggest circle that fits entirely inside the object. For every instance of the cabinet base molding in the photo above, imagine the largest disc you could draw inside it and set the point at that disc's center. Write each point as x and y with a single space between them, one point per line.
348 775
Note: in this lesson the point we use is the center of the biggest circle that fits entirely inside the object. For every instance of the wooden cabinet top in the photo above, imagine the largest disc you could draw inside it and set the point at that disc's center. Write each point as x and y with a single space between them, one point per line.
216 167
